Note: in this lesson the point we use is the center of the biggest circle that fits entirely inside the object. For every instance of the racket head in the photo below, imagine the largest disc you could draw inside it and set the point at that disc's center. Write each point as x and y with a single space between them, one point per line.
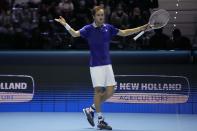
159 19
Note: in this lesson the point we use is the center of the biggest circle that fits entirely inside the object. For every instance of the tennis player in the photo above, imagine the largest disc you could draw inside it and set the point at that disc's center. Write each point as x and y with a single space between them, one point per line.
99 35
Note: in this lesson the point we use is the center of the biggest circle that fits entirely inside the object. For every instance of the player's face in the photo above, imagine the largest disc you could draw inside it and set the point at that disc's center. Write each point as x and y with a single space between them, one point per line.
99 17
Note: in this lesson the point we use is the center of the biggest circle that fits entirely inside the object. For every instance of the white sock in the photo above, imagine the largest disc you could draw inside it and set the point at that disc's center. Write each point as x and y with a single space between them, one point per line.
100 116
92 108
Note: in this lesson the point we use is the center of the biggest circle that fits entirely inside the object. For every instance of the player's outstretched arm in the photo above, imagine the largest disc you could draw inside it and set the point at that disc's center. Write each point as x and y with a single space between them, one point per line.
128 32
62 21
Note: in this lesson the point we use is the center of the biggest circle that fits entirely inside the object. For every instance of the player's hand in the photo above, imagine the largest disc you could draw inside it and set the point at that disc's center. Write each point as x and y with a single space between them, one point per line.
144 27
148 26
61 20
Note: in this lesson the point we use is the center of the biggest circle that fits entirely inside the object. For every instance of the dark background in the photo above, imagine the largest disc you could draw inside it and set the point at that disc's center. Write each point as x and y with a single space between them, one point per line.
30 25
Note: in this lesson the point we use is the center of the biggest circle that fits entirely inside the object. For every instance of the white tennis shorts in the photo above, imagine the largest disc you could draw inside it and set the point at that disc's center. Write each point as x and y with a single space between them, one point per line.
102 76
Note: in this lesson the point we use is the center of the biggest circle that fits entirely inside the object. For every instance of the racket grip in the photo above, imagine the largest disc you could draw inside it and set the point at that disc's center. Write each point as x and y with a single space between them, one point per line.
140 34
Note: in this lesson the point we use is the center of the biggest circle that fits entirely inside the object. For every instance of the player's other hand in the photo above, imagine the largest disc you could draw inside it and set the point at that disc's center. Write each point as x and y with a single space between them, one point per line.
61 20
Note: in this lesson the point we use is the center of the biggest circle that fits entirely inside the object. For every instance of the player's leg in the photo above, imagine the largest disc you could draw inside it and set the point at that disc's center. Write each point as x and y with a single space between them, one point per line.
105 95
101 77
99 97
109 91
89 112
98 80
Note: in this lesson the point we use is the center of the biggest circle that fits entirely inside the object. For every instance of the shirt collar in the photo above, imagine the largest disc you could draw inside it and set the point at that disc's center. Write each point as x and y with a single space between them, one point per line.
94 24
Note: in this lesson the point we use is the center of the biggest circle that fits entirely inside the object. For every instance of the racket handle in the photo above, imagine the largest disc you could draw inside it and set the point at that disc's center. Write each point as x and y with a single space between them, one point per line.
140 34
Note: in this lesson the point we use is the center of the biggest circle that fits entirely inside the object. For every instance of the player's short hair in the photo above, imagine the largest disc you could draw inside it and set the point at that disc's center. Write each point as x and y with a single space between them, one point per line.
96 9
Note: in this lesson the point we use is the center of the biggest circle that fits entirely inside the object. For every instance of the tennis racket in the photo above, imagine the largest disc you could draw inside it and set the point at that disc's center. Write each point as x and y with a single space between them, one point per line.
157 20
